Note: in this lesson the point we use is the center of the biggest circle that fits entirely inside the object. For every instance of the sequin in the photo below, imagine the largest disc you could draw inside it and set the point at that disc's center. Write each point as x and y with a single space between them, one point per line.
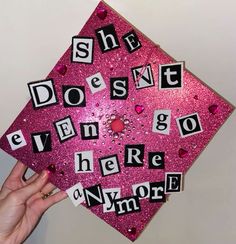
61 69
213 109
132 231
182 153
102 13
139 109
51 168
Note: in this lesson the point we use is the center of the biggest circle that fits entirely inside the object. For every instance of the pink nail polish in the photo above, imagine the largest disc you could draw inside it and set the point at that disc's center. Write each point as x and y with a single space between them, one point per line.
45 173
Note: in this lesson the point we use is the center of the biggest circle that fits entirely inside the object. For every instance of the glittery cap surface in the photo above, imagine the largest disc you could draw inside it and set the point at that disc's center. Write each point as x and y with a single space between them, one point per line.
136 113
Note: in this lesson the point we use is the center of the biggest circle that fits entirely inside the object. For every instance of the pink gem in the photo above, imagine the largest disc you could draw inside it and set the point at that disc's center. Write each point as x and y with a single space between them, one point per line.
132 231
182 153
102 13
61 69
52 168
213 108
139 109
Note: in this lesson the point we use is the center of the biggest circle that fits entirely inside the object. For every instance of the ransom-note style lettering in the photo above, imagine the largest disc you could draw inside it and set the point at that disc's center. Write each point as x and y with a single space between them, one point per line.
96 83
127 205
161 122
189 125
43 93
74 96
109 165
173 182
84 162
107 38
16 140
119 88
156 160
110 195
94 196
171 76
76 194
134 155
131 41
89 131
143 76
41 142
142 190
65 129
157 192
82 50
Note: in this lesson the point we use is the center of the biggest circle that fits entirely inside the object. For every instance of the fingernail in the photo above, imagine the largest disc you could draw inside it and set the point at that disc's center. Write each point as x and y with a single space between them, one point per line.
44 173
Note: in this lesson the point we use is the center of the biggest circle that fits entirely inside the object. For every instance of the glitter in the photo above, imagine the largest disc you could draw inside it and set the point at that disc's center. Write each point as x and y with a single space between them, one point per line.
113 116
132 231
116 135
126 122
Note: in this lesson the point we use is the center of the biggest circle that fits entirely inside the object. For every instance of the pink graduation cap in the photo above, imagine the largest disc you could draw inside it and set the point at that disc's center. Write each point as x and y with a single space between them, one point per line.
118 122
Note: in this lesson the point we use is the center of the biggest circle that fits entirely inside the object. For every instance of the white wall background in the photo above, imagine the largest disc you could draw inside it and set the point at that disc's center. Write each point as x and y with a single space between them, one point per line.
33 36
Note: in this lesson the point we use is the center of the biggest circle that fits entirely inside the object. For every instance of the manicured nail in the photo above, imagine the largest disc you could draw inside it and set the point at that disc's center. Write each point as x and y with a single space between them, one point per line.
44 173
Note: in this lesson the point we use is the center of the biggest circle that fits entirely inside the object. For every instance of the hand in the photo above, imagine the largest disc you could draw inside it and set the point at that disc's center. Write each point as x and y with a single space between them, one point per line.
22 203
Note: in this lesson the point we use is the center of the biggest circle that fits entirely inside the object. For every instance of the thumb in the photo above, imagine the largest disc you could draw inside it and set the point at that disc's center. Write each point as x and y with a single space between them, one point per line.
27 191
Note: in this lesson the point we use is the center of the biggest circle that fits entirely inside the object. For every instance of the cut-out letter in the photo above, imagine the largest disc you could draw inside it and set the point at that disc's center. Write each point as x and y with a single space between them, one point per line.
119 88
189 125
94 195
107 38
65 129
161 122
84 162
171 76
82 50
89 131
134 155
43 93
41 142
16 140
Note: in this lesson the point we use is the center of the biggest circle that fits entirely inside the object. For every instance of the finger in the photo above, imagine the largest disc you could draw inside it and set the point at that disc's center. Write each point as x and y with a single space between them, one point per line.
47 189
18 171
50 201
31 178
27 191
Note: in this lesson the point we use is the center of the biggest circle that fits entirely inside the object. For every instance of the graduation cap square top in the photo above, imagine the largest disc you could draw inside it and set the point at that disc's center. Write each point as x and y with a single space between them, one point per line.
118 122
